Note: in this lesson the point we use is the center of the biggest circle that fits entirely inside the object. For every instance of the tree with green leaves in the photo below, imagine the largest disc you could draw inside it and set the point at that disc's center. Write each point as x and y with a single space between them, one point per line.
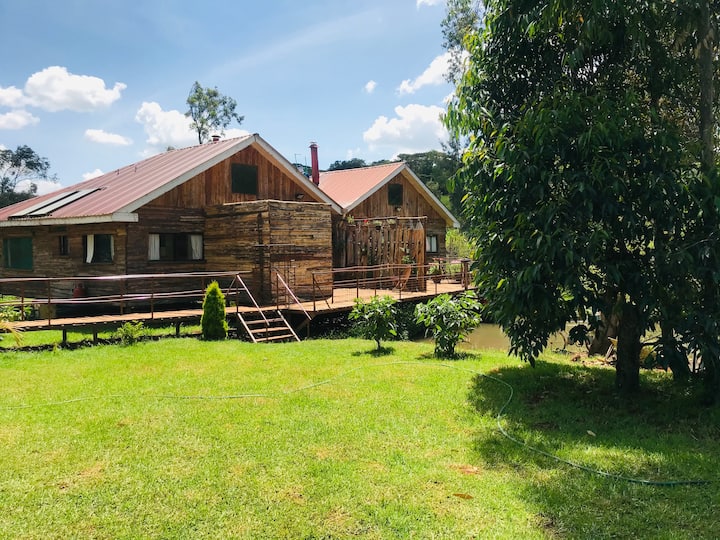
17 167
341 165
580 172
210 111
449 320
376 317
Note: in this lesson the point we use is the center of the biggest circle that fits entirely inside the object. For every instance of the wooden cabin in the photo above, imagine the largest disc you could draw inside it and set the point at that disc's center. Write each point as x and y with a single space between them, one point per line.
388 216
231 205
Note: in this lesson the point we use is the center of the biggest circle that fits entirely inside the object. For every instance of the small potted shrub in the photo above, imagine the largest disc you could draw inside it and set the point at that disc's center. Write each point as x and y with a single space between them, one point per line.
434 272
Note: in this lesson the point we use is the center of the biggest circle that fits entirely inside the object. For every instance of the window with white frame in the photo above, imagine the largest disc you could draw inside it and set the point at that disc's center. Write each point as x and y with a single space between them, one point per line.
175 247
431 243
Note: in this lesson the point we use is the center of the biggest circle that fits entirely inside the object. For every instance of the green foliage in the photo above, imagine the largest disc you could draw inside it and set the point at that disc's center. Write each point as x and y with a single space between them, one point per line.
458 245
130 332
354 163
210 110
214 321
376 317
21 165
435 169
580 171
449 320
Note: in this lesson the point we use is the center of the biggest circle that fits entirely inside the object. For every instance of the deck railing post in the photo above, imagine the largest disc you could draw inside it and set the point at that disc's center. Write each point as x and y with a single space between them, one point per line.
22 302
49 301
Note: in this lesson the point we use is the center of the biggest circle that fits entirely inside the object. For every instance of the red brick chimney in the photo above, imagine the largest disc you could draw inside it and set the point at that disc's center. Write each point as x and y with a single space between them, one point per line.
314 163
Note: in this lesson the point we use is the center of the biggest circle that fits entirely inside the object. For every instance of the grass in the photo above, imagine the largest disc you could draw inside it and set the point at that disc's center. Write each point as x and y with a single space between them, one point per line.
182 438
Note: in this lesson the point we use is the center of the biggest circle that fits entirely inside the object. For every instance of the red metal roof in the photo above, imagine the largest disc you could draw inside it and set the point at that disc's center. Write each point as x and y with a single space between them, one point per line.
350 186
121 192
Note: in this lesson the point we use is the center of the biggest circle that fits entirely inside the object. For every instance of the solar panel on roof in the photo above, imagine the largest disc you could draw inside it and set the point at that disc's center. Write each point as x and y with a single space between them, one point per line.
47 206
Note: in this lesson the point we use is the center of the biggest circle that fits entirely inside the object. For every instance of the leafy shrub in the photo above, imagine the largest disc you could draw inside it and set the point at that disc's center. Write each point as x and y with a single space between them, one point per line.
14 313
458 246
449 320
130 332
213 322
376 317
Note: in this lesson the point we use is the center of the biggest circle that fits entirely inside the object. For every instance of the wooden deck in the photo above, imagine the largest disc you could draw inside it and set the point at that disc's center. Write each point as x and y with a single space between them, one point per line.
341 287
342 299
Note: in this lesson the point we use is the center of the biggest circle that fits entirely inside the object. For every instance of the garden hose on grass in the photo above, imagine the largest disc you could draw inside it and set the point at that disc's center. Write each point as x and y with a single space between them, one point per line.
523 444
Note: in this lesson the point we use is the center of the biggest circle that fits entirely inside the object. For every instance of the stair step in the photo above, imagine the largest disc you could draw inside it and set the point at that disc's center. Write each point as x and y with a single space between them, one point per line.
271 329
277 337
263 321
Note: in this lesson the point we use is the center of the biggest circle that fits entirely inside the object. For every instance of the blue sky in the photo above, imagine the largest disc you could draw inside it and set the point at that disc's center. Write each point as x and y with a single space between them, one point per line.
93 85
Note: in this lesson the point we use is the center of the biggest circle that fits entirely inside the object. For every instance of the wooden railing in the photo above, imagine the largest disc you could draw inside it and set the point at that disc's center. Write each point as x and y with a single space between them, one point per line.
42 297
399 278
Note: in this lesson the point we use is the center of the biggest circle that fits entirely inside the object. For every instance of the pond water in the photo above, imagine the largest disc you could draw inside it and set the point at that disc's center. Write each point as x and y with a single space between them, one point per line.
490 336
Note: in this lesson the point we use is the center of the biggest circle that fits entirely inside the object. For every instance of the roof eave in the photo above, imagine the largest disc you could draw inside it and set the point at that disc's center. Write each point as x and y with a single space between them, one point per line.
450 219
117 217
392 174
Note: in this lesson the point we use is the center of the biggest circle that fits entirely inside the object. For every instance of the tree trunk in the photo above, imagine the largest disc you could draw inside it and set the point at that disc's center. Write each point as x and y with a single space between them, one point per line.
706 46
673 354
607 329
627 368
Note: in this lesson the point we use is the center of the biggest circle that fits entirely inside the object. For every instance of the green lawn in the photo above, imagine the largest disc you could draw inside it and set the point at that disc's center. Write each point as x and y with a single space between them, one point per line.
181 438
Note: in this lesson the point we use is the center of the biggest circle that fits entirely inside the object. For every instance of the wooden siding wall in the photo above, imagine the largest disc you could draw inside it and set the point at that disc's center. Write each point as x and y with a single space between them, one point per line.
214 186
258 236
367 244
163 220
48 262
357 246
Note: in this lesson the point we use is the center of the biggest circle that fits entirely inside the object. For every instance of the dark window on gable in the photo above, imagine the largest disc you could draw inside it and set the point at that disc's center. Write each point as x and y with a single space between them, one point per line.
395 194
244 179
17 253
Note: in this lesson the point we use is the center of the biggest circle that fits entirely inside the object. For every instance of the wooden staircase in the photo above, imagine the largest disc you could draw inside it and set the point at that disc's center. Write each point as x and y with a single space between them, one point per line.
267 325
263 325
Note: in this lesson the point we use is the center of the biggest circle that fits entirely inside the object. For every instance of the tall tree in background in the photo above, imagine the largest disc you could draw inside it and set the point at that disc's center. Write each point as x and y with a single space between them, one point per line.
19 166
210 111
435 169
580 172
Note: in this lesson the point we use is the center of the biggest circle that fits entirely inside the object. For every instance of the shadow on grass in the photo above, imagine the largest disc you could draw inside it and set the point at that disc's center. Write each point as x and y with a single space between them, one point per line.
574 413
457 357
382 351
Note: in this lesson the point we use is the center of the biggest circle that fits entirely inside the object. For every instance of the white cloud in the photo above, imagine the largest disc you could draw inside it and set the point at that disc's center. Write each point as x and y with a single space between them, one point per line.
11 97
43 186
17 120
102 137
92 174
416 128
434 75
165 128
419 3
171 128
55 89
370 87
